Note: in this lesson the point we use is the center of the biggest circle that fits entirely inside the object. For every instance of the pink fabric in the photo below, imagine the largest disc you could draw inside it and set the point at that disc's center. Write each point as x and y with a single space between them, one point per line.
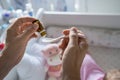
90 70
1 46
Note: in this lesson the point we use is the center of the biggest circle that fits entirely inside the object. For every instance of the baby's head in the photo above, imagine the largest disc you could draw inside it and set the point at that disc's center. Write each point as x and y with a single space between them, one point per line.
113 75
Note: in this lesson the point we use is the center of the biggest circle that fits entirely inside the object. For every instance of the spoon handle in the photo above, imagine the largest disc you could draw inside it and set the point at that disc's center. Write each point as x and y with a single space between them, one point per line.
53 40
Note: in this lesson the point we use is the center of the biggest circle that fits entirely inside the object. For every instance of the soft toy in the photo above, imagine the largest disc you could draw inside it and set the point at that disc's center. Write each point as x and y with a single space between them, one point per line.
53 62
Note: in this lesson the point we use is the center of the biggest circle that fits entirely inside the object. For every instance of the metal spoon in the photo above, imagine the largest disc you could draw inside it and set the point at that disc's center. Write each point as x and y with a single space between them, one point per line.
53 40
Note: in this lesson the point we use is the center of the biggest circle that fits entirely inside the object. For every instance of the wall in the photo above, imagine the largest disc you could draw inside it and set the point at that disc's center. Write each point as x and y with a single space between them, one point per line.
105 6
89 6
96 36
95 6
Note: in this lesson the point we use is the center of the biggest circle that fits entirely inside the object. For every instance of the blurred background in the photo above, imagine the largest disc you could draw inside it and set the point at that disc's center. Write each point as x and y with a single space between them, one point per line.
98 19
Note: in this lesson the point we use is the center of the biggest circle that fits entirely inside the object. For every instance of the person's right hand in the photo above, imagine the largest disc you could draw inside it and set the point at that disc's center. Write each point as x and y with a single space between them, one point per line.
73 53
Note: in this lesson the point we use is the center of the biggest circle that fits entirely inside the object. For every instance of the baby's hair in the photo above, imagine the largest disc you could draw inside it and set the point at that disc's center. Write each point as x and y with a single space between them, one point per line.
113 75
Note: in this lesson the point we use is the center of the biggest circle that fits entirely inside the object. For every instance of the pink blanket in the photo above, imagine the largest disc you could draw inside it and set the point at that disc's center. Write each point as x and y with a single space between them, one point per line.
90 70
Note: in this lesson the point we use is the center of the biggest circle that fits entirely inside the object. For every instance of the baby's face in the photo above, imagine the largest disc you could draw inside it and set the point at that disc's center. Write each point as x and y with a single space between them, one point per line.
113 75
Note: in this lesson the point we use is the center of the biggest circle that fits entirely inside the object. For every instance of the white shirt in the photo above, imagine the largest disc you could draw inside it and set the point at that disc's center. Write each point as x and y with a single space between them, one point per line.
31 67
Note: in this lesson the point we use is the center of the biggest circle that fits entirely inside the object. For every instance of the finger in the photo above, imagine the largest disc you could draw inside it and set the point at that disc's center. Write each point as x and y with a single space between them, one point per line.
66 31
29 32
35 35
79 31
14 27
22 20
73 37
83 44
80 35
24 26
63 43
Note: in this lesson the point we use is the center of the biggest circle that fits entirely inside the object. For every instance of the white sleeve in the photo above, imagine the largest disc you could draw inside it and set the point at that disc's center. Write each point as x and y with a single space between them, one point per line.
31 68
12 75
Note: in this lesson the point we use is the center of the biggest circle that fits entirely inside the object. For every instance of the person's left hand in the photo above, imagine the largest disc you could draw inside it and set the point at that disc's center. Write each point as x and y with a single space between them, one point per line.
74 50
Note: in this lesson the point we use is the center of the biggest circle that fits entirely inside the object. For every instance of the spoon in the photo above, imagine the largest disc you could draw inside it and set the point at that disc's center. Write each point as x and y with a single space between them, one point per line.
53 40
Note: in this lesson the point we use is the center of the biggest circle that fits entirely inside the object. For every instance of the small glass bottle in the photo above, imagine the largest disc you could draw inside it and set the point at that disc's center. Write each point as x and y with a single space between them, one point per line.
41 29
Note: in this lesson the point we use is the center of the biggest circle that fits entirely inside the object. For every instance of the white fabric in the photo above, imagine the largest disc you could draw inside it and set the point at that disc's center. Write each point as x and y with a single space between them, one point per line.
31 66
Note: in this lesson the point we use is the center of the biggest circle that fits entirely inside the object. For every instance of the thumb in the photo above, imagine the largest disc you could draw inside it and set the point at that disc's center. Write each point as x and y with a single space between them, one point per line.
73 37
28 33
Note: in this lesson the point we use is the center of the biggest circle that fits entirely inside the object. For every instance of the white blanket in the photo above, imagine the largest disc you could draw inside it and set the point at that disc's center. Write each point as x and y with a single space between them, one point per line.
31 66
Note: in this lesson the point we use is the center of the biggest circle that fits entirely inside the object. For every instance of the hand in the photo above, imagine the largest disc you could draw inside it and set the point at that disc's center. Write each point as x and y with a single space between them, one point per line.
18 35
73 53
